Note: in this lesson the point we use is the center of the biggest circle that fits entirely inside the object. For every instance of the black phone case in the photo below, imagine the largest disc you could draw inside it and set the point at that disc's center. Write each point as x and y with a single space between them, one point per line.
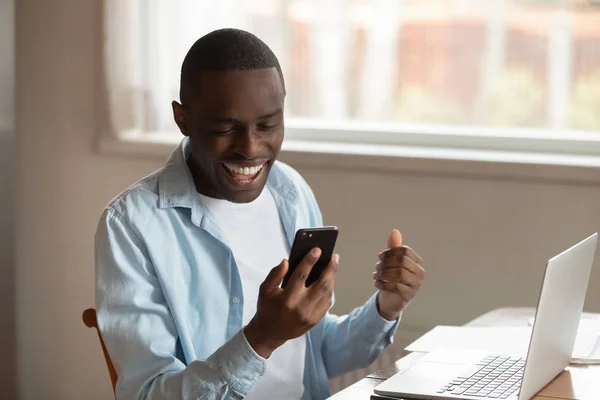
305 240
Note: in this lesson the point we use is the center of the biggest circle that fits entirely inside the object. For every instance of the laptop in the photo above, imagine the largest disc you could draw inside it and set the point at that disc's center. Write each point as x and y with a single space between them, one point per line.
473 375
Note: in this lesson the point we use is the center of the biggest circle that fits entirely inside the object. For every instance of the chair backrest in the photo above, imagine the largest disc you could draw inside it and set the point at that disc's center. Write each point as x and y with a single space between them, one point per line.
90 320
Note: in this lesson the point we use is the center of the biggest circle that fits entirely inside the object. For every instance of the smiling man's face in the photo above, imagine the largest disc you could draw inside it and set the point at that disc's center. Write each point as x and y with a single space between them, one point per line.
235 125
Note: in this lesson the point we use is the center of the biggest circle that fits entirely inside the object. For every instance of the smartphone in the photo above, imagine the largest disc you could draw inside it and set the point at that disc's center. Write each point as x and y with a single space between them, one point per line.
307 239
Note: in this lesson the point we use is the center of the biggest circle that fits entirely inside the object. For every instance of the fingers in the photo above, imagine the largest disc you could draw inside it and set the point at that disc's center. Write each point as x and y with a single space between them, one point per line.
404 291
398 275
322 291
401 262
395 239
323 287
324 305
276 275
298 278
330 271
399 252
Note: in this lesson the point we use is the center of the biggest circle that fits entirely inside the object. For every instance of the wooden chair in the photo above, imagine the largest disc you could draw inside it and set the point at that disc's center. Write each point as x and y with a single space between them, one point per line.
90 320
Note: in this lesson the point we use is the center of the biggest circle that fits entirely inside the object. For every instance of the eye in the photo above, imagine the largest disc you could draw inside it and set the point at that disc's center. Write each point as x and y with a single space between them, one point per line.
222 132
266 127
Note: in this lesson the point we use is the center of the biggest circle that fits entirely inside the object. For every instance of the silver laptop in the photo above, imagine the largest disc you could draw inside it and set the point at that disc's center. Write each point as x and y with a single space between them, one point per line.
466 375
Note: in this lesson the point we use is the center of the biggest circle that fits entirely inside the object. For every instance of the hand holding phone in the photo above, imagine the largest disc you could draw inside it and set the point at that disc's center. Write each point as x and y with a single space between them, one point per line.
284 314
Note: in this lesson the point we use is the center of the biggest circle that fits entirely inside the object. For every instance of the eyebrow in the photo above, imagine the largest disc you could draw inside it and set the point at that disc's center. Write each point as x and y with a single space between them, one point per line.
230 120
224 120
271 115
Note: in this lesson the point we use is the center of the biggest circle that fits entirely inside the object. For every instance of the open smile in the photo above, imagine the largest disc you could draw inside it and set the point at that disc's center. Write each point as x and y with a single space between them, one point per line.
243 176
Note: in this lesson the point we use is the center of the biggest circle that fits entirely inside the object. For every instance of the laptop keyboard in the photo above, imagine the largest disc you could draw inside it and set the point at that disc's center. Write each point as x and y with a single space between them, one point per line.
494 377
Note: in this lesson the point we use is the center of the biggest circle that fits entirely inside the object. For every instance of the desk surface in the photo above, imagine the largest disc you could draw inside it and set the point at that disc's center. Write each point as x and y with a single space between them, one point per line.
577 382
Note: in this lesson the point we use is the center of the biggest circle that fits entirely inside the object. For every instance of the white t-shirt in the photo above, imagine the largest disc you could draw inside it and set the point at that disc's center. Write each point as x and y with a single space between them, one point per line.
258 242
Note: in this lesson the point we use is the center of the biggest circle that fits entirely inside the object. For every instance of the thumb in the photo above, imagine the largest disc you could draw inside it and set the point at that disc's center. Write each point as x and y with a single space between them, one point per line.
276 275
395 239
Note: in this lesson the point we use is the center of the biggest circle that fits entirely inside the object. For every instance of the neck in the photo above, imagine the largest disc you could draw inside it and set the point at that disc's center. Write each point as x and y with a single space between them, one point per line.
201 182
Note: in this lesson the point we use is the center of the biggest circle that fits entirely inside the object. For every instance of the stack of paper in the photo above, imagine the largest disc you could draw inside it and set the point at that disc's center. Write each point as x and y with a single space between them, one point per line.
591 324
509 340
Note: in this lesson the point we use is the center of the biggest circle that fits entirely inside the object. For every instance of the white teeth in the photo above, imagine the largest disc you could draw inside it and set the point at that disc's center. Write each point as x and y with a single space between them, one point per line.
244 170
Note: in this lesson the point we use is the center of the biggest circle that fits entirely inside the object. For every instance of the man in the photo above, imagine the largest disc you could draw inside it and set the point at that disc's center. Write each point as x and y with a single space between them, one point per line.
189 304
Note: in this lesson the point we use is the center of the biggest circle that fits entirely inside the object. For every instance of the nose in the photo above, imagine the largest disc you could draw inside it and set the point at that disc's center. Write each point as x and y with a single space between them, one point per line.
247 143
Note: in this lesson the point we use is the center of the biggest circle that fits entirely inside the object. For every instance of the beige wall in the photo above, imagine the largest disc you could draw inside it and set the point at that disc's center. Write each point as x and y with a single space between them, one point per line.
484 241
62 187
7 272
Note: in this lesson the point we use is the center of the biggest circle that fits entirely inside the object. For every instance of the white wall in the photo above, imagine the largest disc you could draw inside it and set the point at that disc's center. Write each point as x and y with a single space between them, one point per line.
484 241
7 150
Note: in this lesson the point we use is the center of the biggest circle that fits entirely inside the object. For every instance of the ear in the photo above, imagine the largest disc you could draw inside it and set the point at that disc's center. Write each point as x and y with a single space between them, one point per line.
180 117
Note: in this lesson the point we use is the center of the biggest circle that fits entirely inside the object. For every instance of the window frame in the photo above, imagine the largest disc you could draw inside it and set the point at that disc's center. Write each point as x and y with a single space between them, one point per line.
408 153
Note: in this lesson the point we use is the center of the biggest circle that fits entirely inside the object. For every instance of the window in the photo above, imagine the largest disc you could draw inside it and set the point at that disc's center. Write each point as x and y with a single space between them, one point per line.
504 74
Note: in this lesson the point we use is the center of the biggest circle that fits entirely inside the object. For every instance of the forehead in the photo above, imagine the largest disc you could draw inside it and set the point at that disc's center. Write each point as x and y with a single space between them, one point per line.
239 92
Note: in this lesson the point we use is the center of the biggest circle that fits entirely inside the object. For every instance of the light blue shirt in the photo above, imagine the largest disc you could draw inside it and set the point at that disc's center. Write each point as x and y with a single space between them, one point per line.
169 297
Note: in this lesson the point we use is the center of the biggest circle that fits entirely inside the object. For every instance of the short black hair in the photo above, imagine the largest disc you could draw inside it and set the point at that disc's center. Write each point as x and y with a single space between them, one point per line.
222 50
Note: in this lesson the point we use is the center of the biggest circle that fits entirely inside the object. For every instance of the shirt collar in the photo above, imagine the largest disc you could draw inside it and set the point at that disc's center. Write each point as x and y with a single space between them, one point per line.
176 185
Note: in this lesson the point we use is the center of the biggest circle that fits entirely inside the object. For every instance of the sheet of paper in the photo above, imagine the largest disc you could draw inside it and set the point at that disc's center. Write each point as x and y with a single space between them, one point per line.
509 340
585 323
590 323
592 358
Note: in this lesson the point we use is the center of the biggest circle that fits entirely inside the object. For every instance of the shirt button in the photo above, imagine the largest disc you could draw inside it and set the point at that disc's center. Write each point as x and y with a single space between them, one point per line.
236 300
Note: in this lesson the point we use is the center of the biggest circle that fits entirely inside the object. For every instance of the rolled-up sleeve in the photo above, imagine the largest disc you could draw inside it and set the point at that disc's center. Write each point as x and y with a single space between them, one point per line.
140 334
355 340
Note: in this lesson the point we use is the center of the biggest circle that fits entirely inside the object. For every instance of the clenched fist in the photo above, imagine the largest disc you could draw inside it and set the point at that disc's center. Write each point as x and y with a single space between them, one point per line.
398 276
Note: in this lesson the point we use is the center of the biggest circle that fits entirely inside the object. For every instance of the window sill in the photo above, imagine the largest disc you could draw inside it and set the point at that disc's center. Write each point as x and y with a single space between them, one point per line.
470 163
